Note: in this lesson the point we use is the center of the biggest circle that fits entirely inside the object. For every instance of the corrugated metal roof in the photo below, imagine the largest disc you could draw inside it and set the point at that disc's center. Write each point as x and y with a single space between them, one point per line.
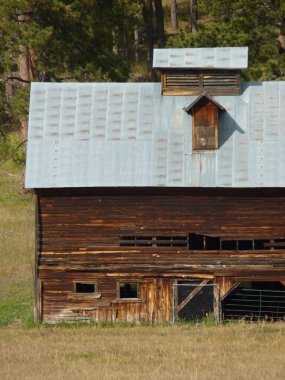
216 58
111 134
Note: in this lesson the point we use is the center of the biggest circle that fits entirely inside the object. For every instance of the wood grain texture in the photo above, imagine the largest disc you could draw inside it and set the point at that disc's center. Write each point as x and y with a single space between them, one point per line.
205 126
79 234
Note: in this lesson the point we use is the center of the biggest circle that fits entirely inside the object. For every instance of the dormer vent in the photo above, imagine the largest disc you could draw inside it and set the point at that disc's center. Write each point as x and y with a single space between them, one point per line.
205 112
195 71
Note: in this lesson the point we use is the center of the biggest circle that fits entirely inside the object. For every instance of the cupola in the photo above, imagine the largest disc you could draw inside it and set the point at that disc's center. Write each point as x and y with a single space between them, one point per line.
193 71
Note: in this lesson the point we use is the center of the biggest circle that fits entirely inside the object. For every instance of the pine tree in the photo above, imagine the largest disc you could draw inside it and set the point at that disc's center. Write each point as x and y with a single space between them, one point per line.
258 24
56 40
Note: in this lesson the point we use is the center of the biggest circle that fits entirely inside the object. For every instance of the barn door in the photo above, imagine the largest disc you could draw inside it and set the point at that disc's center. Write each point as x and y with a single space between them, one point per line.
196 302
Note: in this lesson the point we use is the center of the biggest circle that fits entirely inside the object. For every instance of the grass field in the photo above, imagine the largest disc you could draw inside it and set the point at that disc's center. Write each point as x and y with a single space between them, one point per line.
161 352
187 351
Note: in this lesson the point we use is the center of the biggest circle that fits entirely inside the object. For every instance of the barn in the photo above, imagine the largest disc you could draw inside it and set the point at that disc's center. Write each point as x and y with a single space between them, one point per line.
160 201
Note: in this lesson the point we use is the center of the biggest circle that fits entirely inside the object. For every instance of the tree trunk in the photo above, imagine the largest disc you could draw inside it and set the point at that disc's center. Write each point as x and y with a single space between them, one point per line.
159 18
26 66
173 15
136 37
9 90
281 42
193 4
148 20
115 45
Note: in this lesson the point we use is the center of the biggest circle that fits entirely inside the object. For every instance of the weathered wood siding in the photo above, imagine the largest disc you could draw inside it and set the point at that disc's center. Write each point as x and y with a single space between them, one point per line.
60 303
79 234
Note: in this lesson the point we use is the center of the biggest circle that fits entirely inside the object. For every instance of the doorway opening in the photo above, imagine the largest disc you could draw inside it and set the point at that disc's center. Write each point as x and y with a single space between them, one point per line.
255 301
196 301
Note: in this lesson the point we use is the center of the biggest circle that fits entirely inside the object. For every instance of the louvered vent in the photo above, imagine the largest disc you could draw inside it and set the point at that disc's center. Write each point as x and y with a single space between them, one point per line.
194 82
225 79
182 80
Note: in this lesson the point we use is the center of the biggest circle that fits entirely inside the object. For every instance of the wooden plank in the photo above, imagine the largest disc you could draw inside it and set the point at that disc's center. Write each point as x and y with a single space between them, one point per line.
226 285
217 304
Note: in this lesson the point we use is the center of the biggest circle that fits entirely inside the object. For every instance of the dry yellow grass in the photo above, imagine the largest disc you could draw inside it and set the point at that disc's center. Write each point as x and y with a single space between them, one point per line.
16 246
241 351
16 226
175 352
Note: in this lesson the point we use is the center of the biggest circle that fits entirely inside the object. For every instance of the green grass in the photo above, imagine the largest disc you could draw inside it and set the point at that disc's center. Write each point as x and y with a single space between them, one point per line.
16 247
16 305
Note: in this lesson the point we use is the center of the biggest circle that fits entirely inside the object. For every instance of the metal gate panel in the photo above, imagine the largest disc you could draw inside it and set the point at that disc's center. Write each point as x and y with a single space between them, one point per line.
254 304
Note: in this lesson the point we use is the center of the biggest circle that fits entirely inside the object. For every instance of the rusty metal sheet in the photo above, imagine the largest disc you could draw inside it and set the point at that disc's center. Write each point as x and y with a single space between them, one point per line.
159 158
281 110
130 113
175 157
208 169
225 164
256 164
256 112
271 111
145 112
271 164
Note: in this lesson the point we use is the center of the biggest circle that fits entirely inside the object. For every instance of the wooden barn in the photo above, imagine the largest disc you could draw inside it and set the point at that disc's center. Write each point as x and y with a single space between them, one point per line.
145 190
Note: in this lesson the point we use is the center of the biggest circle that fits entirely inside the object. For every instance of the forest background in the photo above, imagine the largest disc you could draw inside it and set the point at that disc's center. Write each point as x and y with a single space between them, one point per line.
113 40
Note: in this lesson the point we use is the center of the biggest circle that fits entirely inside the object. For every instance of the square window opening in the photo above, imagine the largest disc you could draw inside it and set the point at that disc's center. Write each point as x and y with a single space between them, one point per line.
128 290
83 287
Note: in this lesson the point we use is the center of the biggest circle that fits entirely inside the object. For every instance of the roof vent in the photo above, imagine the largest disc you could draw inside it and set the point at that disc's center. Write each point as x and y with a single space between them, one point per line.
205 122
195 71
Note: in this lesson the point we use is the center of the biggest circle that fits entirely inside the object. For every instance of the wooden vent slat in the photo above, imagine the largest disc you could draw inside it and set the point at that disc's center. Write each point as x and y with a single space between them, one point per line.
195 82
181 82
220 80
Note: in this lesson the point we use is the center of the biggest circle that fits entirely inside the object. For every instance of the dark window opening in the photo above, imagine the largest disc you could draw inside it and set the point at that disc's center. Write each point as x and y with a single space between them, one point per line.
245 245
212 243
83 287
128 290
260 244
202 242
229 245
196 242
153 241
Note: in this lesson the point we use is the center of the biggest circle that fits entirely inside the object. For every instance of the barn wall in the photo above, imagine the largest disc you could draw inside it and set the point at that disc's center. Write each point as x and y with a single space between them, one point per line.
79 239
60 302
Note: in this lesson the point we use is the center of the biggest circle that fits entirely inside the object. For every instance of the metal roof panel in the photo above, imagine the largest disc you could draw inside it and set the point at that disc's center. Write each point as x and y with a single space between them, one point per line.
109 134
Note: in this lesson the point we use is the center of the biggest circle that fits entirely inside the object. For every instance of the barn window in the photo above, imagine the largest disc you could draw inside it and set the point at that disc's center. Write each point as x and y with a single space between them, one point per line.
205 116
200 242
128 290
85 287
154 241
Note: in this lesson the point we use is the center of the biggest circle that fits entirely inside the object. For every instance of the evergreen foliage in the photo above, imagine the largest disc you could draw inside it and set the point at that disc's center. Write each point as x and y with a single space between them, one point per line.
258 24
